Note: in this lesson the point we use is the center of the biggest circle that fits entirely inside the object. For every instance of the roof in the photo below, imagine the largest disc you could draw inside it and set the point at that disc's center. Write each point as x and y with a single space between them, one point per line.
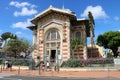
50 9
66 11
81 19
32 27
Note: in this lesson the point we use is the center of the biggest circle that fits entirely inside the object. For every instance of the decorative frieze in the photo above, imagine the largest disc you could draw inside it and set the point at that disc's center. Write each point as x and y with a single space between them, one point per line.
52 16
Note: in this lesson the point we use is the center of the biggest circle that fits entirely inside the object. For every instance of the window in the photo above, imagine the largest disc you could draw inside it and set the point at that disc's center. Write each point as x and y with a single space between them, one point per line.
53 35
48 36
47 45
47 52
53 44
58 36
78 35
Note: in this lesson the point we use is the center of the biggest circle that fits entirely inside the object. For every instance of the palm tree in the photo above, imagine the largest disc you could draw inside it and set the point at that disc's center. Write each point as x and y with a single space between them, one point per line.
91 23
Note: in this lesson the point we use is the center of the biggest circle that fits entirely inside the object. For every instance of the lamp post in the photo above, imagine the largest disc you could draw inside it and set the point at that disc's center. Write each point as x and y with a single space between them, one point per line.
45 62
38 57
57 62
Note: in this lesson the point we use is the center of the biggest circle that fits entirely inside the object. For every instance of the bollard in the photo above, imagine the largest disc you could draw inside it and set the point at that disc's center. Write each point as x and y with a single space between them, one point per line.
19 70
39 69
1 68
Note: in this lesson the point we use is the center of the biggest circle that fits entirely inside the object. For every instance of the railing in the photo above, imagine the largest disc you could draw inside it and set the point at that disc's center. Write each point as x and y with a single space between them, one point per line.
91 62
22 66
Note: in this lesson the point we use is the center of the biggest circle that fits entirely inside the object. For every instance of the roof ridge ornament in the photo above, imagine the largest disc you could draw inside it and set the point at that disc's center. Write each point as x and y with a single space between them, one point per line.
63 6
50 6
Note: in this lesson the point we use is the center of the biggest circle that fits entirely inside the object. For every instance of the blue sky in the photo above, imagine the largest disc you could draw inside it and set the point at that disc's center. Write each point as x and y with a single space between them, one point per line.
15 15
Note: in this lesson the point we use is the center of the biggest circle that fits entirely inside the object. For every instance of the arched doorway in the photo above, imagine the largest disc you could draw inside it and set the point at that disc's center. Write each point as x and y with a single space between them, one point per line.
52 40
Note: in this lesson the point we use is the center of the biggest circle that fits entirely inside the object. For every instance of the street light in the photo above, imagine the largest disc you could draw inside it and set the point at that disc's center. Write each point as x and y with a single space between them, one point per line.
38 58
57 62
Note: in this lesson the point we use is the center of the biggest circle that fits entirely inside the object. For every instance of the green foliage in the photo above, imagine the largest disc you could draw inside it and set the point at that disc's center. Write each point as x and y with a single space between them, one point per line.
72 62
110 40
15 46
1 61
75 43
91 22
7 35
24 44
21 62
109 55
91 18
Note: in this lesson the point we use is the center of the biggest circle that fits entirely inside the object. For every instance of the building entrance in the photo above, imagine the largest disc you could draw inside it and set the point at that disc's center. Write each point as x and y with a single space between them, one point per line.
53 55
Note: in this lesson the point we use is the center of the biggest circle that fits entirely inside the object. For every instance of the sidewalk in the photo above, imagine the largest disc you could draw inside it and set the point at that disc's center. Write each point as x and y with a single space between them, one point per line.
80 74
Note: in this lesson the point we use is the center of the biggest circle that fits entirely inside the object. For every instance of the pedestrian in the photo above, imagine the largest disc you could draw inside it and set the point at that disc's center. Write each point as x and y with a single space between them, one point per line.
6 65
43 66
48 65
10 66
55 66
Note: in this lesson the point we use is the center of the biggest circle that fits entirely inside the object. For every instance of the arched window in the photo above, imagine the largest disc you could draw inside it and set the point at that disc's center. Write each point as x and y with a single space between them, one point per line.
53 35
78 35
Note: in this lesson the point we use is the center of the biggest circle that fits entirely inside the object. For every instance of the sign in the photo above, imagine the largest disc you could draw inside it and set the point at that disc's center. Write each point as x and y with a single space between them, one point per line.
117 62
59 57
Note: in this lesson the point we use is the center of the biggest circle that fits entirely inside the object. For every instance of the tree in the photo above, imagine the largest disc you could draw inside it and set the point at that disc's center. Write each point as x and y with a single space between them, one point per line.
91 23
7 35
74 44
15 46
27 48
110 40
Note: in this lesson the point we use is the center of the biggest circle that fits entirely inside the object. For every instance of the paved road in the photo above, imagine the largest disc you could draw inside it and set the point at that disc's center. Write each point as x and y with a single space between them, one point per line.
19 77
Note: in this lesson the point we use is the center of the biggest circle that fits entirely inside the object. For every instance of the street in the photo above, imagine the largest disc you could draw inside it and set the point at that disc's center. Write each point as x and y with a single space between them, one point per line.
28 77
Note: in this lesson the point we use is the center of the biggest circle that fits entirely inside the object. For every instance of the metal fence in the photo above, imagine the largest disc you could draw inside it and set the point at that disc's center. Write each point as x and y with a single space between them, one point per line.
28 66
16 65
91 62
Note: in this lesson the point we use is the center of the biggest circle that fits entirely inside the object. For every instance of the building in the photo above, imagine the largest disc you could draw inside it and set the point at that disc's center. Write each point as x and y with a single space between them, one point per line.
53 31
95 51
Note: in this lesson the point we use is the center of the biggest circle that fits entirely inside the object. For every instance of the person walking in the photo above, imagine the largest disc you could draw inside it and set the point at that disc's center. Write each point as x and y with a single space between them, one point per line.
48 65
43 66
6 65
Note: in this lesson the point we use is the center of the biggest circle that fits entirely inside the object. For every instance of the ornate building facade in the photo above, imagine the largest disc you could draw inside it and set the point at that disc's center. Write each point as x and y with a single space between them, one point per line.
54 29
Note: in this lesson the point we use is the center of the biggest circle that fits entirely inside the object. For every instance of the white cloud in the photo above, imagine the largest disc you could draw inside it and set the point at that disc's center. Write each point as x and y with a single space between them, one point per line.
22 4
97 12
27 9
25 12
22 25
116 18
18 33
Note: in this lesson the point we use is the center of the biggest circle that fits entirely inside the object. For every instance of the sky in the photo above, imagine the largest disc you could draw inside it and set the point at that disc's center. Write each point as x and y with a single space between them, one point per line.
15 15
